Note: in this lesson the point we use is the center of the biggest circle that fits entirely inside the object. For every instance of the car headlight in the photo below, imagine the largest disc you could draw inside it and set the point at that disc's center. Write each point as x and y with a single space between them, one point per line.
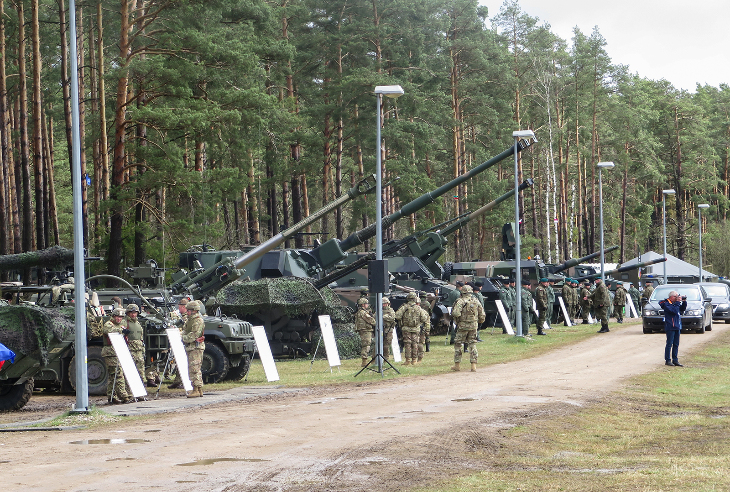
693 312
649 312
723 306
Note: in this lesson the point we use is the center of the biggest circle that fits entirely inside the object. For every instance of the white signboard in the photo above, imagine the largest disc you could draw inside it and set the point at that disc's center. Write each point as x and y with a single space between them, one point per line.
128 367
632 308
394 348
267 359
181 357
504 317
330 346
565 312
537 313
590 319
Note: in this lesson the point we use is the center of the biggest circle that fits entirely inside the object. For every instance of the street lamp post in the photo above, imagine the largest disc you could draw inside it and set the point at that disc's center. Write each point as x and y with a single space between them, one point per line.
664 224
699 212
517 135
601 167
392 91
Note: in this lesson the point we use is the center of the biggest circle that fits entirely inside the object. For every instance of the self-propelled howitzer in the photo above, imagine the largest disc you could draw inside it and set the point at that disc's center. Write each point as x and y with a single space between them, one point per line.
333 251
627 268
577 261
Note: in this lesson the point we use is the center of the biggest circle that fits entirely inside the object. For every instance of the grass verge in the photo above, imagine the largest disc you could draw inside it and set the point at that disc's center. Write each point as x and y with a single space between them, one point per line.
668 430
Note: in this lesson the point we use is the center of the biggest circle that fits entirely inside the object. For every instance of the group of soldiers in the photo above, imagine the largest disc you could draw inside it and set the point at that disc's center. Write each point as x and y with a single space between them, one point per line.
125 321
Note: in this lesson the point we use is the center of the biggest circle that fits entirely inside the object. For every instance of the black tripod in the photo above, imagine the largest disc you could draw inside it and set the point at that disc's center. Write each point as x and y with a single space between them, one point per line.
378 358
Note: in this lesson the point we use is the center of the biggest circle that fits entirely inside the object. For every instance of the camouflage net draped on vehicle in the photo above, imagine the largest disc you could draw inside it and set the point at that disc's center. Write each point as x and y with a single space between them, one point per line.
26 329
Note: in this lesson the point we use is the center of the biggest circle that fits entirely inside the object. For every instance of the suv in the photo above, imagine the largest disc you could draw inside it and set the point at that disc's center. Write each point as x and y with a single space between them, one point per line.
697 317
720 294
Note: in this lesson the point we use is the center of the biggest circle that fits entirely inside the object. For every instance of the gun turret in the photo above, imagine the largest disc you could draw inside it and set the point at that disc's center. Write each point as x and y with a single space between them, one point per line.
199 284
577 261
333 251
624 269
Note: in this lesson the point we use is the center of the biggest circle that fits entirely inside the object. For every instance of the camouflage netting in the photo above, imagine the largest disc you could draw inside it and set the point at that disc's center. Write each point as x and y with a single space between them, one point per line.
26 329
46 257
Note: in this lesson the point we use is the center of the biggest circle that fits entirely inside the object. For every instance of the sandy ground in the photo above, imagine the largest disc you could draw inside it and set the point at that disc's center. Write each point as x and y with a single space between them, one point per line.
396 434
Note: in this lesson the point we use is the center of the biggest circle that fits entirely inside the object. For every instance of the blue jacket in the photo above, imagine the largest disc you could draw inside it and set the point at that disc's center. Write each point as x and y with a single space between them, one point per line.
673 314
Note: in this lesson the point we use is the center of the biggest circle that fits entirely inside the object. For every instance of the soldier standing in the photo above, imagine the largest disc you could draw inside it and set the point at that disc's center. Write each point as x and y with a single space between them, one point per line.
193 336
411 316
504 295
424 337
567 293
364 326
551 301
601 301
180 321
526 305
454 294
585 301
542 300
648 290
116 386
619 301
135 339
512 299
388 327
468 314
635 296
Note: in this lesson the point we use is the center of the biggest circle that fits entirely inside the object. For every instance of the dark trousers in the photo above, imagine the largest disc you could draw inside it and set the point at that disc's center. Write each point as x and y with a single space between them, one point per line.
672 344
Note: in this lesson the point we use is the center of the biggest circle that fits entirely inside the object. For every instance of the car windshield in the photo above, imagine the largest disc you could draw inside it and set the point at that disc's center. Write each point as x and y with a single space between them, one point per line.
716 290
662 292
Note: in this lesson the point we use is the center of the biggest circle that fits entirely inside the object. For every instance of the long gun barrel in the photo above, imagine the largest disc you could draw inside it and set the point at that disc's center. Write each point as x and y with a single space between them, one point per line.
625 269
229 269
578 261
50 257
331 252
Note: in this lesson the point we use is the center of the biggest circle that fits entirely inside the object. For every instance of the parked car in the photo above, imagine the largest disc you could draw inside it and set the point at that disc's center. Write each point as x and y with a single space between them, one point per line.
697 317
720 294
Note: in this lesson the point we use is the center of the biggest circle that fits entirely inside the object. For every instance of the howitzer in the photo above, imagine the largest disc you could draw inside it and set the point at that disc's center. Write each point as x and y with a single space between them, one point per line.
624 269
577 261
201 283
333 251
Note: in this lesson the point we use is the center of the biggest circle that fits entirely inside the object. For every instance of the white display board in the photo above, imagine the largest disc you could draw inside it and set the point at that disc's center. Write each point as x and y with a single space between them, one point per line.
505 319
330 345
632 309
565 312
128 367
590 319
181 357
537 313
395 348
267 359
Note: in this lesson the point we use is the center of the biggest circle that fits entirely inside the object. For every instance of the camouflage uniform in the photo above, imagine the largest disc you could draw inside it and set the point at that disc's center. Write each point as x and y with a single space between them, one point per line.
505 295
585 302
551 302
116 386
388 327
425 329
541 300
180 321
526 301
411 317
135 340
635 296
193 336
512 303
567 292
619 301
468 314
646 294
601 302
94 323
364 325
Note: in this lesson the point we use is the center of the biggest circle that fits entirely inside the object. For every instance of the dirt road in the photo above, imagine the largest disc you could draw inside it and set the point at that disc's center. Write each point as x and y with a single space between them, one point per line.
399 433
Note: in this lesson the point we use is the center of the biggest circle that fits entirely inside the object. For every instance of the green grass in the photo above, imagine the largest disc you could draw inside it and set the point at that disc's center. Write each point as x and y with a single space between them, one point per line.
668 430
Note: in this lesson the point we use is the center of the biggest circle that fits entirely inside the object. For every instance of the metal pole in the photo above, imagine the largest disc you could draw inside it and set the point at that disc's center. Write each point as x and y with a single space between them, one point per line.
379 237
82 380
664 224
699 211
600 208
518 273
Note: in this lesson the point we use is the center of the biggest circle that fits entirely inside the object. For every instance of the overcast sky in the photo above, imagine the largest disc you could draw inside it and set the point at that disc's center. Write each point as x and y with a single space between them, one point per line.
681 41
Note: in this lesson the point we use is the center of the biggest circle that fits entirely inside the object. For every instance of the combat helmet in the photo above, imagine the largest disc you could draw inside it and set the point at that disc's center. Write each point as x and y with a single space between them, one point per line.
386 300
362 301
411 295
466 290
193 306
118 312
132 308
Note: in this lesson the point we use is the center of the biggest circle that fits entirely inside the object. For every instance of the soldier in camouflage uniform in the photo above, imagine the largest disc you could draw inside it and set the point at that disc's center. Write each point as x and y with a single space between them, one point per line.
506 297
135 339
541 300
411 317
388 327
567 293
364 325
193 336
116 387
180 321
526 305
468 314
601 301
619 301
454 294
635 296
576 299
646 294
513 302
551 301
585 301
427 305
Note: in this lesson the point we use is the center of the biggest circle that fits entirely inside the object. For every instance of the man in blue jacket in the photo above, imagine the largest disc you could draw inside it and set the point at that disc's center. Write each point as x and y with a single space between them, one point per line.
673 307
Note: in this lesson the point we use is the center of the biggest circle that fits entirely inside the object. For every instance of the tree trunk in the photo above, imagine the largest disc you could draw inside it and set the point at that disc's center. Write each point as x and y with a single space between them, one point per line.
28 242
103 140
52 208
253 210
5 161
41 238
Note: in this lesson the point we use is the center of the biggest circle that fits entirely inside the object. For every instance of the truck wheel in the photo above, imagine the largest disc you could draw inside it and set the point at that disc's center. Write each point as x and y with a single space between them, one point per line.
96 371
215 365
15 396
240 372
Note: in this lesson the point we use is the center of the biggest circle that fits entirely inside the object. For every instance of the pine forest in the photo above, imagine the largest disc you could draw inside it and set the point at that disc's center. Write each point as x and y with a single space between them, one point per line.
224 122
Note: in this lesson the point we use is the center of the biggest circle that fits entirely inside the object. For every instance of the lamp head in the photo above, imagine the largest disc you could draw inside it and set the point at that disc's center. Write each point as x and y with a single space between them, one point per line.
389 90
605 165
703 205
669 191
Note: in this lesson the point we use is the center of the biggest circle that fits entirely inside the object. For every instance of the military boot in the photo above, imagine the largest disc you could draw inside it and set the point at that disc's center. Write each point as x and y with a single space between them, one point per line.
196 393
406 362
541 331
473 367
364 363
418 361
200 391
456 367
